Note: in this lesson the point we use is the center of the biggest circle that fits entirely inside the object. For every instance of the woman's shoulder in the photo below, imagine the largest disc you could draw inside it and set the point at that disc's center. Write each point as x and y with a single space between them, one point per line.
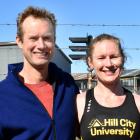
81 100
81 95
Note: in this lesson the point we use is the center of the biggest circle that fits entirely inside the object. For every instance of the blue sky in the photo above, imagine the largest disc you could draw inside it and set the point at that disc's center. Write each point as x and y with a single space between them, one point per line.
87 12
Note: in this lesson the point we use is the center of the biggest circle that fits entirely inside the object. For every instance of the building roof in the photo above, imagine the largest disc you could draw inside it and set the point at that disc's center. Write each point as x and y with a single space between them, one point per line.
82 76
10 43
79 76
130 73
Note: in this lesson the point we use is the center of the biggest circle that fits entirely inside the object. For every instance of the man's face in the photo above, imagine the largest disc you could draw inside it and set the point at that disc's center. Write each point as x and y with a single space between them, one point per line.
38 41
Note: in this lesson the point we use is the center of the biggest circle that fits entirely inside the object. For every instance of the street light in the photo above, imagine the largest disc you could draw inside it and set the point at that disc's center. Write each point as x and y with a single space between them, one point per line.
81 48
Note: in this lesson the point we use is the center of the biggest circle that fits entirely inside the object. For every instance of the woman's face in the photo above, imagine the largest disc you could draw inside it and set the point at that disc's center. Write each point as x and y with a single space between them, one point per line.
106 61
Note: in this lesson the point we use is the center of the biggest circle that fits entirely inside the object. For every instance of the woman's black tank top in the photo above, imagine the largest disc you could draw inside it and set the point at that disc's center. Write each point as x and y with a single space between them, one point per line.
117 123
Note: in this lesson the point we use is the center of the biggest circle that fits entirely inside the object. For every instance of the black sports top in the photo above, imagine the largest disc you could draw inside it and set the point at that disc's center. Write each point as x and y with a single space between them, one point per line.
117 123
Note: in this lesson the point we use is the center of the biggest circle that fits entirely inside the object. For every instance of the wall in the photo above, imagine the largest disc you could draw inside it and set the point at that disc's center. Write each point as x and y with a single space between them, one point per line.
8 55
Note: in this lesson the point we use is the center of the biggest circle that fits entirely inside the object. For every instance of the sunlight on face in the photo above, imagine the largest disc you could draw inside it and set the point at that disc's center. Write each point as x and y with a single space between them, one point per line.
38 41
106 60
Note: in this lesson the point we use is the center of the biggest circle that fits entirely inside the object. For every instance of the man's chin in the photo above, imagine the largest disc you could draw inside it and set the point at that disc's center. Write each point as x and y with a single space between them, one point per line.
41 65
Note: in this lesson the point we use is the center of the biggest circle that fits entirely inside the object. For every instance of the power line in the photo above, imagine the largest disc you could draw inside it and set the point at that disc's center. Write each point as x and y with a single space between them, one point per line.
102 25
79 24
7 24
64 48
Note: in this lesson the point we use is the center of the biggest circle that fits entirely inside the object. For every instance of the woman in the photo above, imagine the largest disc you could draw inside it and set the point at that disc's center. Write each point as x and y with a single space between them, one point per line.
109 111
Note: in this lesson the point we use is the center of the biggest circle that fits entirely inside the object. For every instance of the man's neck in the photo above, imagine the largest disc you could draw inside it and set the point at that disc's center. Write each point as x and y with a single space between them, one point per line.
33 75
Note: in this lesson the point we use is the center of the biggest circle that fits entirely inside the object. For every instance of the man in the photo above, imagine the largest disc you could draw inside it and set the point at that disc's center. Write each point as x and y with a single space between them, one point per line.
37 99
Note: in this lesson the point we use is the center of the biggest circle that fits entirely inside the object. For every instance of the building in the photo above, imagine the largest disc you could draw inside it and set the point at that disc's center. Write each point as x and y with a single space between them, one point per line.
84 80
130 79
11 53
